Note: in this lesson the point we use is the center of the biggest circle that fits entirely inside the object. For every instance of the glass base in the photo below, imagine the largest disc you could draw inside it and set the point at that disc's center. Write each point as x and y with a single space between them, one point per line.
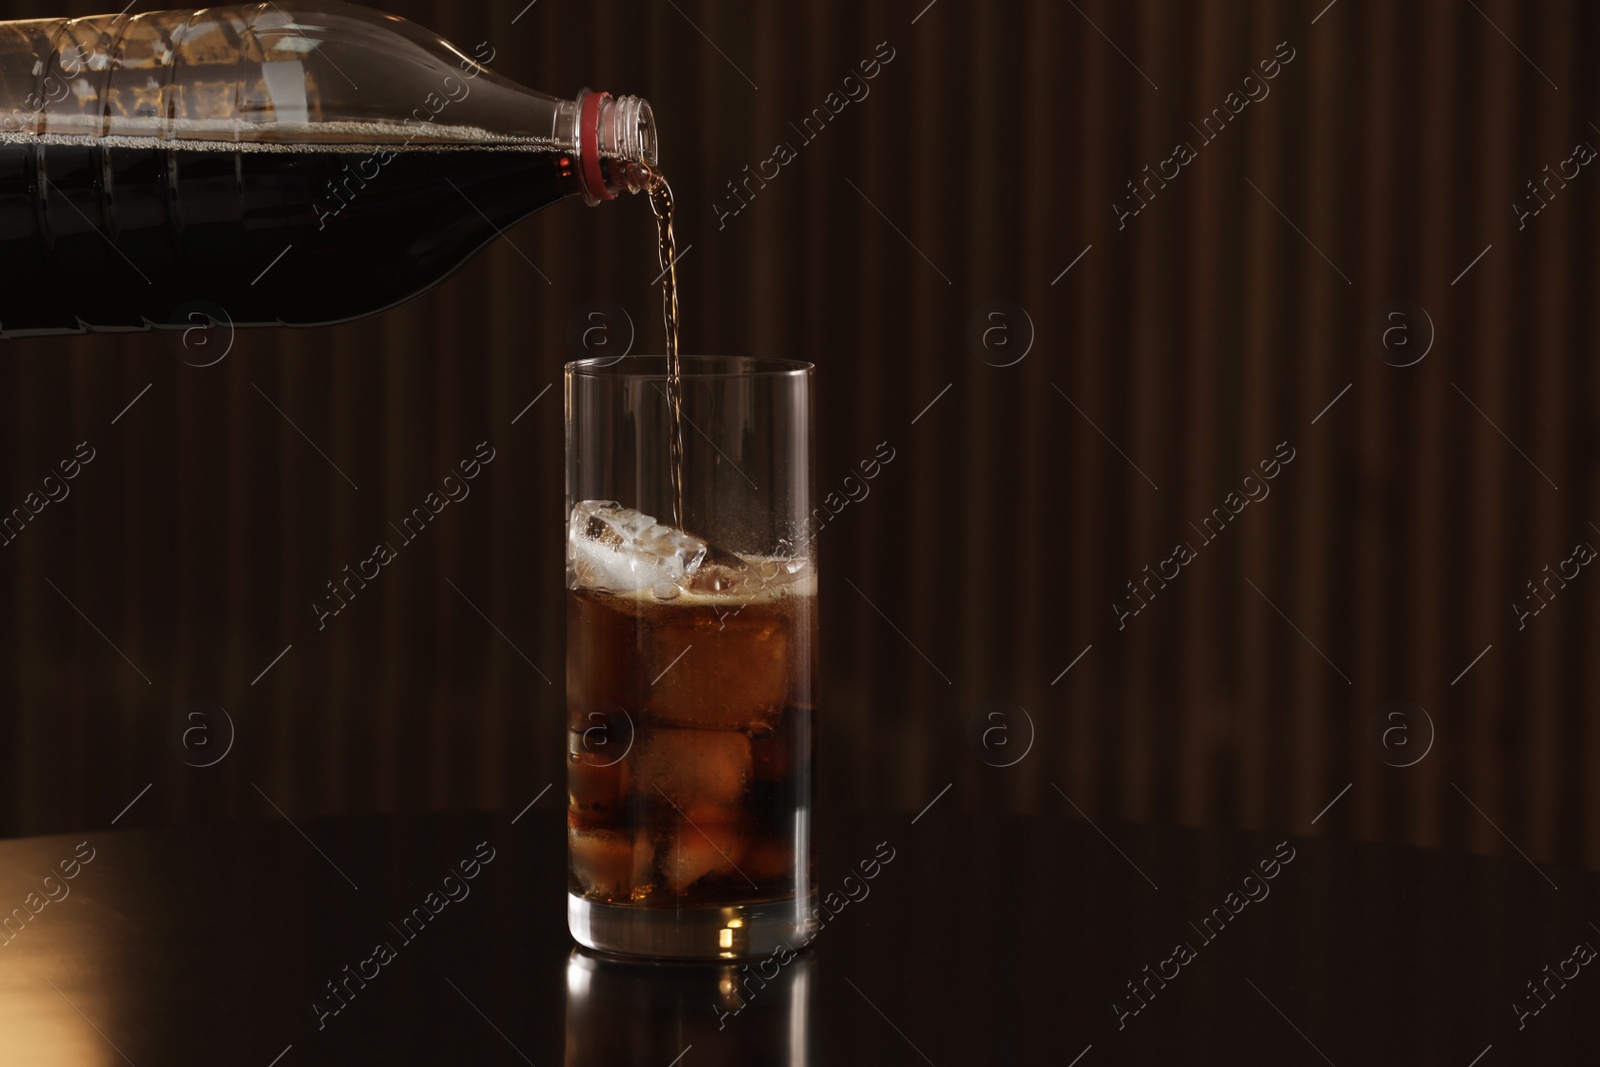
735 932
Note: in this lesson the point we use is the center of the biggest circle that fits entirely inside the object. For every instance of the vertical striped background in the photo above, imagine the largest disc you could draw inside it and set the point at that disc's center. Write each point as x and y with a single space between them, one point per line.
1172 357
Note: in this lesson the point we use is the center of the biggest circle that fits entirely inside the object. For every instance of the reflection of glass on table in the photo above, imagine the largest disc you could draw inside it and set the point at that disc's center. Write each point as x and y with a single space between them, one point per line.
623 1012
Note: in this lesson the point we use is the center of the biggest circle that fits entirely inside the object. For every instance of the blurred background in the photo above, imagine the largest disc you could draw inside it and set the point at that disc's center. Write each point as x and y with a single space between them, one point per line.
1072 372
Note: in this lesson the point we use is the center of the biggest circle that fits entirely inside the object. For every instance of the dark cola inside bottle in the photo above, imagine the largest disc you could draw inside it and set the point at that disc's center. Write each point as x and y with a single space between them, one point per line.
293 163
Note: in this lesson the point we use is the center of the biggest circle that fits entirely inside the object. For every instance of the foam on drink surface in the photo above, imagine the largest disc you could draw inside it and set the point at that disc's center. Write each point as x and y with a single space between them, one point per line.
624 552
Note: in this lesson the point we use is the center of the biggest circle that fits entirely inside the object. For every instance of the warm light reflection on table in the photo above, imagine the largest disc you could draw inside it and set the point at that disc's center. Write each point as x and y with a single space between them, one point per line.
54 1010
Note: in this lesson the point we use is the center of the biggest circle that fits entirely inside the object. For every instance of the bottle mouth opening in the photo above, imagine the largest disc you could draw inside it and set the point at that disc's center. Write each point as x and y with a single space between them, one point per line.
616 144
628 130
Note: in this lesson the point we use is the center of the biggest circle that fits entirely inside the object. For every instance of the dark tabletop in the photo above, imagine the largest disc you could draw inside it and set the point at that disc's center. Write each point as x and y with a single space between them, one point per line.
985 939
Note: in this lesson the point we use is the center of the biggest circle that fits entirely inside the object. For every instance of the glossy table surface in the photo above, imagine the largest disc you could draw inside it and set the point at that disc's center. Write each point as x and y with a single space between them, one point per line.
984 939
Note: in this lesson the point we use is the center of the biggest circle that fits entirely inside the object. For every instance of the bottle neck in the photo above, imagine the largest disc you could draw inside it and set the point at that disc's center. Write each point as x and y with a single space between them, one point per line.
616 140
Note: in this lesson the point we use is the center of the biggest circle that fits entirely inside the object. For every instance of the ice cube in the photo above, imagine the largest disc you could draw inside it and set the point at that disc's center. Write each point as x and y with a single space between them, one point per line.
602 862
621 550
750 578
688 767
646 883
722 572
707 840
596 790
735 674
770 749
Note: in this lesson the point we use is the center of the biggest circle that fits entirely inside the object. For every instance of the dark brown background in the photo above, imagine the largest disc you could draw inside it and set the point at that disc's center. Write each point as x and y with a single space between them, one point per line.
1196 339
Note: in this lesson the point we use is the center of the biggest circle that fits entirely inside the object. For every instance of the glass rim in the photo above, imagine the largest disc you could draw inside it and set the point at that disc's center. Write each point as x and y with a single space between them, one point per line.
694 366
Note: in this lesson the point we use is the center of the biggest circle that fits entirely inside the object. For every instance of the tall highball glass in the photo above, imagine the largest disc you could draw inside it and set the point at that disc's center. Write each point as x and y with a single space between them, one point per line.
691 656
